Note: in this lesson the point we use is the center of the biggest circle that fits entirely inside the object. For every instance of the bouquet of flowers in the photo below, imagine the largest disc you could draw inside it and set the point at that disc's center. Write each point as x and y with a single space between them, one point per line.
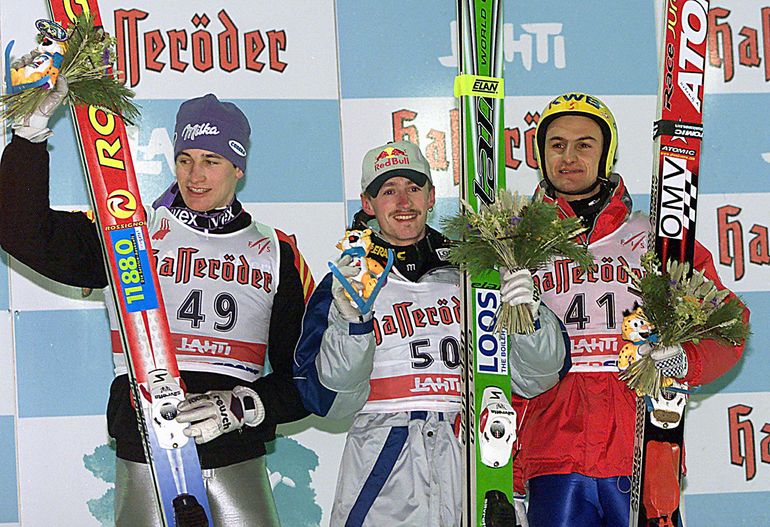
681 308
514 232
87 65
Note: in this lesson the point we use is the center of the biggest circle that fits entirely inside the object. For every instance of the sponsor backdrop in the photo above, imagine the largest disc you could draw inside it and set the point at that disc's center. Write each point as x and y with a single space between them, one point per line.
322 82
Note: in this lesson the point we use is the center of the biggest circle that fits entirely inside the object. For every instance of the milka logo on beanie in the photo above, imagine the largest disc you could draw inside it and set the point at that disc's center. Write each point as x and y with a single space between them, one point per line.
191 131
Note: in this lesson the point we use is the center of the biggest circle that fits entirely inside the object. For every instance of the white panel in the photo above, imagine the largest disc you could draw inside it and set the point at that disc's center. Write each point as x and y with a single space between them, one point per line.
739 31
367 123
725 225
317 226
31 291
708 440
308 54
7 367
54 482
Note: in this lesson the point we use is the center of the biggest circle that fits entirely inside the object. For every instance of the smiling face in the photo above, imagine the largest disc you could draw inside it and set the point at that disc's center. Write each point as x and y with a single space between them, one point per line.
401 208
206 180
573 149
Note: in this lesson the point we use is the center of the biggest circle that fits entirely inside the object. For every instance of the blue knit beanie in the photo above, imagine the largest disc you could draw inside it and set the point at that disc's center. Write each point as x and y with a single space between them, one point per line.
209 124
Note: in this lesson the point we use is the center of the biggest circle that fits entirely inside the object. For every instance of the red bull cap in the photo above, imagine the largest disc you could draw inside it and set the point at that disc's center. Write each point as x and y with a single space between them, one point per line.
400 158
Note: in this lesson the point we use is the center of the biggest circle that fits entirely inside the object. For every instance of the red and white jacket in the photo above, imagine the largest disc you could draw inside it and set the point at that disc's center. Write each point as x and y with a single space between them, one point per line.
585 424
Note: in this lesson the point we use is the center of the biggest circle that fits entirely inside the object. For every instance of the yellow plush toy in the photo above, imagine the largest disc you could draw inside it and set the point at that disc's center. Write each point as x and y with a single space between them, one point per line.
636 330
47 58
358 243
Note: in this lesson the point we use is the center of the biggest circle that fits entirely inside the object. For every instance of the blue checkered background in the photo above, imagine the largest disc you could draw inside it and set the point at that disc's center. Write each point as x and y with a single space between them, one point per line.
355 75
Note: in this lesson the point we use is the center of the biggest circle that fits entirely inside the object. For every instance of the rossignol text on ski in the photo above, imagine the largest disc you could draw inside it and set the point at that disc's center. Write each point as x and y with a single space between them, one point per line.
144 329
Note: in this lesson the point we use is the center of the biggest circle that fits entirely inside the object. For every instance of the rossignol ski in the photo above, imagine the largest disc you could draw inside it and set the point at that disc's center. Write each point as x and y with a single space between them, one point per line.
152 366
488 421
678 130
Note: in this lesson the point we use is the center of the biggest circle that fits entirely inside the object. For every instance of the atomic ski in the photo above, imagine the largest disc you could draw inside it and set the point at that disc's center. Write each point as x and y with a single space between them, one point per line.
488 429
121 223
658 443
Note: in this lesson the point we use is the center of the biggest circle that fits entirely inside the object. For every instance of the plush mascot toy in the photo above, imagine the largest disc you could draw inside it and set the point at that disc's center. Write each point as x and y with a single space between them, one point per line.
636 330
41 66
372 275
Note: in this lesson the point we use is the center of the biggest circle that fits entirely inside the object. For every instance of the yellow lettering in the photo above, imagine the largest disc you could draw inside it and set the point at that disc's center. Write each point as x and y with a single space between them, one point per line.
68 8
94 116
103 146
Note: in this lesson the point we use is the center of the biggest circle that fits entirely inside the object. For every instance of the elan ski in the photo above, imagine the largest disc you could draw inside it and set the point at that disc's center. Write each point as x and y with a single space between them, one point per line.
658 443
155 381
488 421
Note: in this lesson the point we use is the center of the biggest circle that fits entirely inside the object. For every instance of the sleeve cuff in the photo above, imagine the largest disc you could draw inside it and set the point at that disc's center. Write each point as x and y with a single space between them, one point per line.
364 326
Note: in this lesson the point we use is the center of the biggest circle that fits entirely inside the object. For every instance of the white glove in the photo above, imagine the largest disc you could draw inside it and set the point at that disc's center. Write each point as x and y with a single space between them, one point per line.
671 361
517 287
217 412
344 305
34 127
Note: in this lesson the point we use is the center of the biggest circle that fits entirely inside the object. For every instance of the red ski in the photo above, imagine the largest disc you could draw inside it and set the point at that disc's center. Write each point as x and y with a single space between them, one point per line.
659 440
152 366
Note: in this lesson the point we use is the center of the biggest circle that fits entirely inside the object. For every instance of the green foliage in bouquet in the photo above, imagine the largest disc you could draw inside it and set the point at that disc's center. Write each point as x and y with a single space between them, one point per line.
88 67
514 232
682 308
